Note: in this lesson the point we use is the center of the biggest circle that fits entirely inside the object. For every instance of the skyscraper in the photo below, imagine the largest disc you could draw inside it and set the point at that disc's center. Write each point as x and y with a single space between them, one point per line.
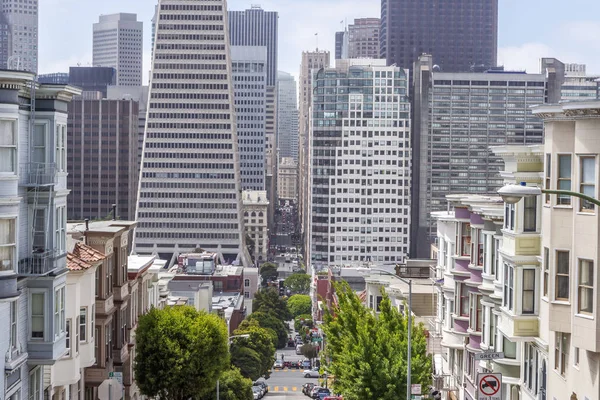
287 116
460 34
19 35
249 80
457 117
360 164
118 43
363 38
189 192
341 40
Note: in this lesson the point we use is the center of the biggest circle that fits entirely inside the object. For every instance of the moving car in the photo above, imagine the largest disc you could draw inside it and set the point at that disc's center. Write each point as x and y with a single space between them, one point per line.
278 364
311 373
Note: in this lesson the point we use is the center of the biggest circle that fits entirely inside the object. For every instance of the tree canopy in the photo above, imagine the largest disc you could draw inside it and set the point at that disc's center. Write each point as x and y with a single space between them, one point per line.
261 341
180 353
268 300
368 352
232 386
298 283
309 351
270 320
299 304
268 272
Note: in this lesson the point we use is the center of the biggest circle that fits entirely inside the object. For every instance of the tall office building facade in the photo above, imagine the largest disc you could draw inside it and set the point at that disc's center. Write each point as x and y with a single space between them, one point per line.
457 117
189 191
118 43
249 84
287 116
312 61
462 35
102 146
341 40
569 82
360 164
93 79
19 35
363 38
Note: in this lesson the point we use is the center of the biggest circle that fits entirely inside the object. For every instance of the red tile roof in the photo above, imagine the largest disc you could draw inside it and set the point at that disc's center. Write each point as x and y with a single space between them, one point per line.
76 264
87 253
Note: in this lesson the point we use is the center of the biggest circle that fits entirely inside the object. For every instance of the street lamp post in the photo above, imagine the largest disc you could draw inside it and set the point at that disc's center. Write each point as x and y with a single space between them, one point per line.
409 333
230 342
511 194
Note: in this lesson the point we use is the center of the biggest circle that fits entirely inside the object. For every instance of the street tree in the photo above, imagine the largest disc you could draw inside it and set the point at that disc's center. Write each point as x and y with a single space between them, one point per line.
232 386
368 351
247 360
310 351
299 304
298 283
268 272
303 320
180 353
271 321
268 300
261 341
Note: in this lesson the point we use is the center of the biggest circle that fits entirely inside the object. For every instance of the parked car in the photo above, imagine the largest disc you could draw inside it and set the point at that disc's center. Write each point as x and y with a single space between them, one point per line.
311 373
306 364
291 342
263 391
307 388
278 364
332 398
262 384
322 393
313 391
287 364
256 392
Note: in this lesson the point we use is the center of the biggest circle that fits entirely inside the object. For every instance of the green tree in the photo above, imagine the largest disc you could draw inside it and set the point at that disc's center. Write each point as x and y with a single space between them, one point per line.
232 386
298 283
368 351
309 351
261 341
247 360
268 272
180 353
268 300
303 320
270 320
299 304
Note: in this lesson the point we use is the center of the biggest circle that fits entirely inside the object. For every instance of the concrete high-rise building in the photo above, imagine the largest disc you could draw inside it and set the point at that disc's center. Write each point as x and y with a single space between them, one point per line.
249 84
190 187
102 146
93 79
19 35
257 27
287 116
312 61
340 38
359 164
460 34
569 82
118 43
363 38
457 117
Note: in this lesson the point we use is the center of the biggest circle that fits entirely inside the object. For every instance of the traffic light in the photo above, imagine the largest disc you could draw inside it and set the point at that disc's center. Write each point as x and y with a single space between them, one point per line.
281 288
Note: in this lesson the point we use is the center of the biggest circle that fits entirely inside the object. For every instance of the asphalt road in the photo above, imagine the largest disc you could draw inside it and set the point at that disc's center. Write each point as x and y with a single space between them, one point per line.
287 383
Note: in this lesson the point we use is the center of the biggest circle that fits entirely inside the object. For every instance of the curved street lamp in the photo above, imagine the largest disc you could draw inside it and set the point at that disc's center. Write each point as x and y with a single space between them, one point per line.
512 193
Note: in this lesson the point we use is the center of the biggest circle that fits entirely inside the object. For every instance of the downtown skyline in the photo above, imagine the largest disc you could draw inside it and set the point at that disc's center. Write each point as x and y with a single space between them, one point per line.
523 40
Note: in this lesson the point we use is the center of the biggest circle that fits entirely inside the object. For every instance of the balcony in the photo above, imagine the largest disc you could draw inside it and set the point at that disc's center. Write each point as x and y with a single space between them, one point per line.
37 175
39 263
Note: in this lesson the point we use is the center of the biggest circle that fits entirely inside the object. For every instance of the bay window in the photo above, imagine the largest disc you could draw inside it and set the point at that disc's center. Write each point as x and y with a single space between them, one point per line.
585 303
475 320
60 226
59 311
564 179
8 146
509 216
35 384
83 324
507 300
463 300
8 245
68 330
547 176
530 214
561 352
546 277
530 373
509 348
463 239
528 306
587 184
562 276
14 316
37 315
478 244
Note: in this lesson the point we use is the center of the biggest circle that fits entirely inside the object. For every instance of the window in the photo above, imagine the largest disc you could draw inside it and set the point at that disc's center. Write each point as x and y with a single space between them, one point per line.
529 214
587 185
97 345
530 373
463 238
8 146
497 258
576 356
493 330
60 226
37 315
108 341
475 321
246 282
378 302
561 352
547 178
59 311
586 287
83 324
478 244
218 286
509 348
247 295
14 315
509 216
92 316
68 337
61 154
98 281
564 178
546 270
35 384
508 286
463 301
528 306
8 245
562 276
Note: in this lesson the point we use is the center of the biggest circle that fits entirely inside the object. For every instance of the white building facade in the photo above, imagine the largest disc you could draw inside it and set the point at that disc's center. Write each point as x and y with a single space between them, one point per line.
287 180
287 116
119 43
256 207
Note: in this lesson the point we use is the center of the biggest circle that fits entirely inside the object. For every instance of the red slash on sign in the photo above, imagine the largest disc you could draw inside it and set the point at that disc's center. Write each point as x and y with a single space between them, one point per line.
489 385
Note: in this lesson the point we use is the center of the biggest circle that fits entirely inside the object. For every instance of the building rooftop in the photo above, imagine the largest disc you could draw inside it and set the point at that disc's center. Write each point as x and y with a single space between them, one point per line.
74 263
255 197
87 253
228 270
136 263
188 286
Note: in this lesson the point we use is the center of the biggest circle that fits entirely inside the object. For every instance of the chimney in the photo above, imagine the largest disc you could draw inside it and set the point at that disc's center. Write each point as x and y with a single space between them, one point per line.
87 224
114 212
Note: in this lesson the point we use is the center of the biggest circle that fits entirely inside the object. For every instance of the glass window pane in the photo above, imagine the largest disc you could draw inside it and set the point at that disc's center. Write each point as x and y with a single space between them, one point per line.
7 133
562 262
588 169
564 166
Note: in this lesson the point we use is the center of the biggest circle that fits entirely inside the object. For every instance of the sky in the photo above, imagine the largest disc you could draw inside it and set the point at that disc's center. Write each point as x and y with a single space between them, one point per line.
528 29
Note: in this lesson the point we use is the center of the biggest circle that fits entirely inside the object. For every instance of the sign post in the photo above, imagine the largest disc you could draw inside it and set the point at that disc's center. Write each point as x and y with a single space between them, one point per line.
415 391
489 386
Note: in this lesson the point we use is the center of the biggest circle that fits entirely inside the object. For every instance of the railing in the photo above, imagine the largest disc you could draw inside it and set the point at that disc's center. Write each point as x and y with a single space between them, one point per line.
38 174
40 262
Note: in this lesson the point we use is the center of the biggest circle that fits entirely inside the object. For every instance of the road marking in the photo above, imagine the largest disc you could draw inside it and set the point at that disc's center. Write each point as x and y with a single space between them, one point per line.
276 389
285 389
294 389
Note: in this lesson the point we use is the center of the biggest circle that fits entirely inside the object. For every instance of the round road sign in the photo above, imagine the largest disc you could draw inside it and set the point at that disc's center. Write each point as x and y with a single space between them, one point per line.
489 385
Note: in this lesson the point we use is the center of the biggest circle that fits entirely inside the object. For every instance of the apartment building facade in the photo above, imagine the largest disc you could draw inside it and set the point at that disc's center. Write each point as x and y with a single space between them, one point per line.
33 268
359 164
256 208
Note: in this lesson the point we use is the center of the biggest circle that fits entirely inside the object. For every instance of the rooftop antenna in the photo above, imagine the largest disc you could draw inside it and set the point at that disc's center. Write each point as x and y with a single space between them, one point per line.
317 37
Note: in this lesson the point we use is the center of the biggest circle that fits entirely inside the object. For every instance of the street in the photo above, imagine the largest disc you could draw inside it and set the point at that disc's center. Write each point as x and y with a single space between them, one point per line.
287 383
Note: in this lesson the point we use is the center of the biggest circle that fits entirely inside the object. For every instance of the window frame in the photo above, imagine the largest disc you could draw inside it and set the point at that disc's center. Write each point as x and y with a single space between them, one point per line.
13 147
562 276
11 246
508 287
13 337
548 178
587 286
530 204
584 205
83 329
43 315
562 342
59 311
546 272
531 291
463 300
475 312
564 200
509 216
35 384
68 337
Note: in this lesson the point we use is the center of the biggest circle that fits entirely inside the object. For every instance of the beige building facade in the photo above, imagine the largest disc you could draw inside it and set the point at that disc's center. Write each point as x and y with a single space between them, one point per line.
256 207
287 180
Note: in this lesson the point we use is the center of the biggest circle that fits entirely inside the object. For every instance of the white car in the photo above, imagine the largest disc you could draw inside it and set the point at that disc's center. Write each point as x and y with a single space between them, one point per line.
311 373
